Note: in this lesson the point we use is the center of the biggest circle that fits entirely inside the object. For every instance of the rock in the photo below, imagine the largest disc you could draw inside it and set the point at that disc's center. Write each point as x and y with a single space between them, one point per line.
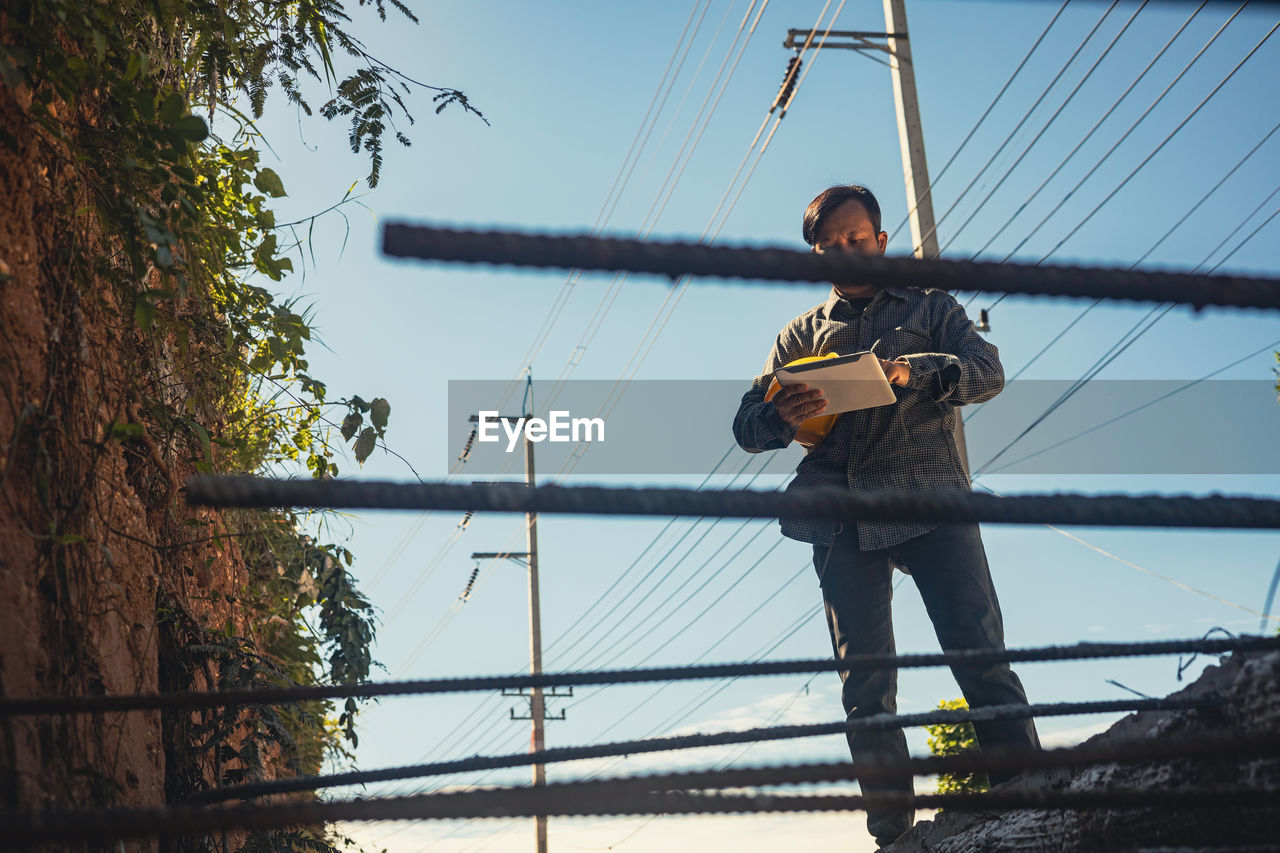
1250 684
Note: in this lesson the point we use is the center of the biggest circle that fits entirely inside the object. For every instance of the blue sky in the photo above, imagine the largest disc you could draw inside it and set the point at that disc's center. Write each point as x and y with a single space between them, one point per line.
566 86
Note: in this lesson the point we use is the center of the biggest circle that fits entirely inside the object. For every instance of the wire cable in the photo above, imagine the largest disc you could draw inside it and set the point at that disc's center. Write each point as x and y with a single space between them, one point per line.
616 190
1177 223
1120 185
650 222
1135 332
608 615
674 296
619 577
552 317
759 653
1025 117
1099 550
1089 135
928 190
1008 171
1136 409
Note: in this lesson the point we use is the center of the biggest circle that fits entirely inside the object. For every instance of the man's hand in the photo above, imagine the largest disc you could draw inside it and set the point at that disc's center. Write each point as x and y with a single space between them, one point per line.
797 403
897 372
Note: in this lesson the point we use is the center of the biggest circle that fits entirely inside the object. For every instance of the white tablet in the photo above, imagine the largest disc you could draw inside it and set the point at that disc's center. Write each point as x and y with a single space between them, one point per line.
848 382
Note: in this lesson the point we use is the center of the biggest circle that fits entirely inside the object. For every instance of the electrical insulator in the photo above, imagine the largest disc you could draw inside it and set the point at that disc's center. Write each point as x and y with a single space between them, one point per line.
788 87
466 593
466 451
466 519
984 323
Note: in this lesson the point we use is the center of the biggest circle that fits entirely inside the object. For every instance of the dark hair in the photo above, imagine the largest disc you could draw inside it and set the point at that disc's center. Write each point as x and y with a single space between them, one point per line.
831 198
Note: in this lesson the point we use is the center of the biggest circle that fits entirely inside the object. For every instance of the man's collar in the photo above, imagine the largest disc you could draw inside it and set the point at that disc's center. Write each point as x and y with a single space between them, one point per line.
836 296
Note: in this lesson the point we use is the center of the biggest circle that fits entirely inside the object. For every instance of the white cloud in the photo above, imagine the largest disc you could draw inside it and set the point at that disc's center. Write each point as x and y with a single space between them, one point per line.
1071 737
1221 623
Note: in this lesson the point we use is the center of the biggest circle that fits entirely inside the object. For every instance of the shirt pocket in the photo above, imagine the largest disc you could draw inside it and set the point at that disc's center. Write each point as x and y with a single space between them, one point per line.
904 340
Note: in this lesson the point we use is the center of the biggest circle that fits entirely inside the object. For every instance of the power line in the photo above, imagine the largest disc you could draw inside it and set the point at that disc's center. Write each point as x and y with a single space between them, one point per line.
644 623
404 599
1157 575
1025 116
1125 136
704 115
650 221
1089 135
757 655
621 576
1178 222
928 191
1101 363
1137 409
675 635
602 216
714 690
764 650
1252 233
631 170
660 319
1066 101
723 765
608 615
1145 160
618 578
701 700
616 190
1134 333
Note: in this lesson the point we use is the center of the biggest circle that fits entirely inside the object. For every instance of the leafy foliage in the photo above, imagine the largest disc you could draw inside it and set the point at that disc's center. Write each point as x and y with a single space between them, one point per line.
182 231
955 739
216 52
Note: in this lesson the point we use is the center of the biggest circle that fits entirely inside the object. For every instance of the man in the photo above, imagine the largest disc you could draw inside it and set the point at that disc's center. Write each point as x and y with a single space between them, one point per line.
930 351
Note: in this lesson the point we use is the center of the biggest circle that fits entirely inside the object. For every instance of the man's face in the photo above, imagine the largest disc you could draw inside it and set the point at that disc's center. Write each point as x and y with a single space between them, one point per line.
848 228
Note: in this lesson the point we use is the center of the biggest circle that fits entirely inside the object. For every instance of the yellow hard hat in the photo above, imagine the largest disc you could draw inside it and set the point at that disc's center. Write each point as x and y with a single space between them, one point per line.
813 430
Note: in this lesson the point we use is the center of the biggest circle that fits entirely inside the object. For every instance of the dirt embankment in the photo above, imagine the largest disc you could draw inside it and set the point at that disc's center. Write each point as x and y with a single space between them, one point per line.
98 576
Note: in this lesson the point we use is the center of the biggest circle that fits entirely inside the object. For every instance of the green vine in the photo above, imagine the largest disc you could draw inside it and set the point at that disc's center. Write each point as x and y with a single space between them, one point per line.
172 226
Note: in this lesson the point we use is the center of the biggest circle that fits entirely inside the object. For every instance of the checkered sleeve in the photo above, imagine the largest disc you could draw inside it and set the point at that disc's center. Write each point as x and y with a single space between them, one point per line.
758 426
966 369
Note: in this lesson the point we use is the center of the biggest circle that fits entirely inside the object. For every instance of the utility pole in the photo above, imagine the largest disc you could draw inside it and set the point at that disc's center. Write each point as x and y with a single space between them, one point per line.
536 696
915 168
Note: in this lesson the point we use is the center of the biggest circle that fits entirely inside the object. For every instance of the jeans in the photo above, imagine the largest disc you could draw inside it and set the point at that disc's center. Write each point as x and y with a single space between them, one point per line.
949 567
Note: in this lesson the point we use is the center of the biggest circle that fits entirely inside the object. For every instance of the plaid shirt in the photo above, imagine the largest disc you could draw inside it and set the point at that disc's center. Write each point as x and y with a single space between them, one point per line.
908 446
